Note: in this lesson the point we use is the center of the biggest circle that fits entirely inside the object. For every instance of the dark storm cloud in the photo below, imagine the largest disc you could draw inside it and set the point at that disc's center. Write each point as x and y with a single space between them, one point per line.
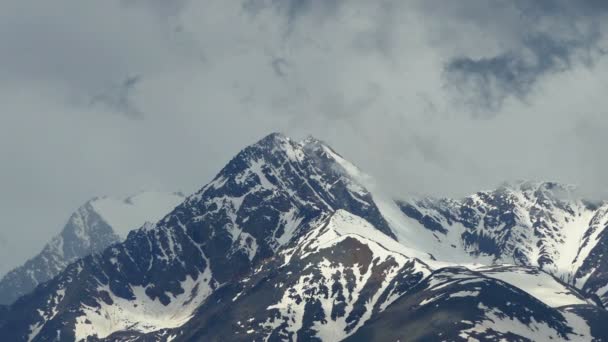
549 35
491 80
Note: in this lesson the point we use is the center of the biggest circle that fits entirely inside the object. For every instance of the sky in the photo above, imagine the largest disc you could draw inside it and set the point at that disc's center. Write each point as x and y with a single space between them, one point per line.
429 97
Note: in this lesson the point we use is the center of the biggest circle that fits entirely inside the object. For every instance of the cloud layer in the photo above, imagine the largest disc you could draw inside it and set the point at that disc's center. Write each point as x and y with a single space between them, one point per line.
428 96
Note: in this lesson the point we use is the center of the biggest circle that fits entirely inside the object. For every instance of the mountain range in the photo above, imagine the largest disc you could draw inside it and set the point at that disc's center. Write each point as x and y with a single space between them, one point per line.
93 227
290 241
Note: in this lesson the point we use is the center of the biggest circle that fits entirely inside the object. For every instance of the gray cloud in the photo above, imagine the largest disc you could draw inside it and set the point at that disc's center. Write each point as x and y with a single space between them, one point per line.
488 81
545 37
117 98
279 65
292 9
209 77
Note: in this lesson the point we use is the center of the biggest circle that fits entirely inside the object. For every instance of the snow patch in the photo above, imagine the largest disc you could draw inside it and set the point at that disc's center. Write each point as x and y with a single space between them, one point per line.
142 313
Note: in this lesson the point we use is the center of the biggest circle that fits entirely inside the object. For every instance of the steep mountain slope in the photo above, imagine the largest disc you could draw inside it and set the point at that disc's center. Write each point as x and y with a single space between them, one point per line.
592 274
592 316
535 224
288 243
96 225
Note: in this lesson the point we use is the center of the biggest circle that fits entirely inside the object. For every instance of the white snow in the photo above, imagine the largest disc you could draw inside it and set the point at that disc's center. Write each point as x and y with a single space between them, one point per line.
248 244
464 294
597 225
572 229
143 314
602 290
290 222
541 285
256 168
421 241
499 322
343 224
34 330
580 327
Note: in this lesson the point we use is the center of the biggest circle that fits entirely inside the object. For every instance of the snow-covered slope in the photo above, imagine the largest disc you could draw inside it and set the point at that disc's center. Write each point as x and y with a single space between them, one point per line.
537 283
457 304
94 226
533 224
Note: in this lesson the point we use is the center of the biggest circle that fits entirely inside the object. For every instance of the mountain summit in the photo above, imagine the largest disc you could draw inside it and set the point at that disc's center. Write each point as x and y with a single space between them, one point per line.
287 243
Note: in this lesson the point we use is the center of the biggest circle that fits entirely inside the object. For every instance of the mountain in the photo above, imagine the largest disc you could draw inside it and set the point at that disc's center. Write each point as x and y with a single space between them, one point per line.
292 242
326 284
541 224
455 304
94 226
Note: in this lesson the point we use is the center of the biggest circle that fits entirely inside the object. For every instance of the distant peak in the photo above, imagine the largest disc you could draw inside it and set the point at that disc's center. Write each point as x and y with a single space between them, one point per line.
280 140
293 148
270 143
273 138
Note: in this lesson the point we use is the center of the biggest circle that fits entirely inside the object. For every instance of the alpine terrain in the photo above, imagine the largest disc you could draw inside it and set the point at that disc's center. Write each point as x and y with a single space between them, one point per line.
291 242
96 225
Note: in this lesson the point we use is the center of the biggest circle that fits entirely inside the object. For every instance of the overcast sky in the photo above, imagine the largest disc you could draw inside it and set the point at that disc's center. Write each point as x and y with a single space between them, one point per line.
441 97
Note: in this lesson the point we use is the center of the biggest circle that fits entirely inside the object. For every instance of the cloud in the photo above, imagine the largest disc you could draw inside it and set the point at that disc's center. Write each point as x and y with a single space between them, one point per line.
486 82
541 37
397 87
117 98
279 65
